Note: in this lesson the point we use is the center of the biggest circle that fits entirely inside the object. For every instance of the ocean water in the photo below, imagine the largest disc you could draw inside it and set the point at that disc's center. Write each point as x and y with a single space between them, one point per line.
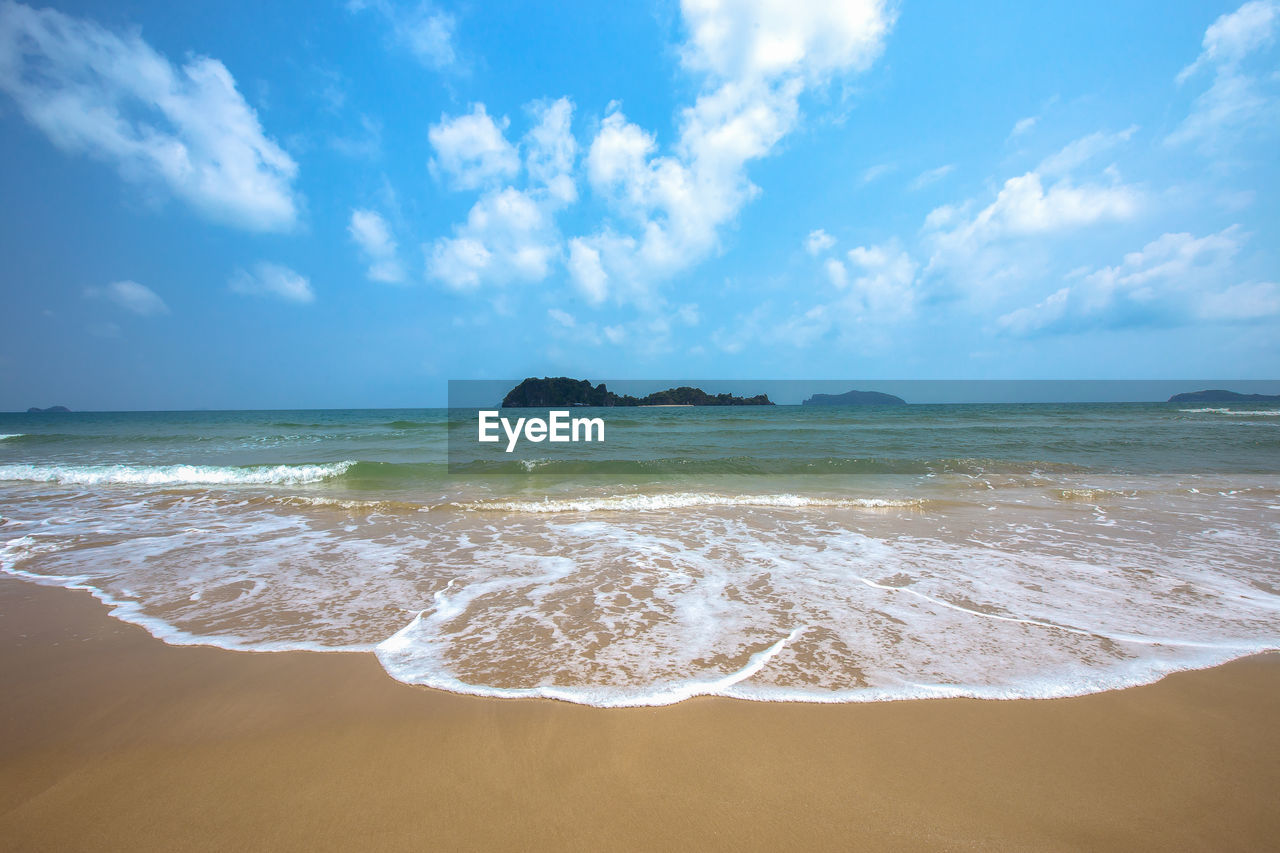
773 554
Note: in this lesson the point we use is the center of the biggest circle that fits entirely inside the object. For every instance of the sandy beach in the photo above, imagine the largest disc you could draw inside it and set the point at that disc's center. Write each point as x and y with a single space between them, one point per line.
114 740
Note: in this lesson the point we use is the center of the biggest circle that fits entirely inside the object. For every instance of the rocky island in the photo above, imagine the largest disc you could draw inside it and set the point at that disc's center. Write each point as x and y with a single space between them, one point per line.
1220 396
855 398
35 410
550 392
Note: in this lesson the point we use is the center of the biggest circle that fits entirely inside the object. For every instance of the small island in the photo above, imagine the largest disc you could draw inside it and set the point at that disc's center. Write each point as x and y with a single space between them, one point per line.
855 398
549 392
1220 396
36 410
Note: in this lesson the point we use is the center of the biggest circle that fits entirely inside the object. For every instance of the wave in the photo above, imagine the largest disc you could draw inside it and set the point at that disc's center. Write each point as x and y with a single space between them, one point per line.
12 435
1089 494
174 475
679 500
806 465
1255 413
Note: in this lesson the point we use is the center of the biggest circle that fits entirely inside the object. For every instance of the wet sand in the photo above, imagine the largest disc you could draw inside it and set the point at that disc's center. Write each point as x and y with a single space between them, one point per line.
113 740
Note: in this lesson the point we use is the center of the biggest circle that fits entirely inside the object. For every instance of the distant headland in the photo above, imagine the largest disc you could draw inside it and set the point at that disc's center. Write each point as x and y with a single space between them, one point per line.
37 410
563 391
855 398
1220 396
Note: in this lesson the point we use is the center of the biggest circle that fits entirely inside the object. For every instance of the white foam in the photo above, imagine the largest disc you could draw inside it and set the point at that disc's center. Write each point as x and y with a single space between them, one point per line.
651 607
12 435
1262 413
397 656
173 475
134 612
681 500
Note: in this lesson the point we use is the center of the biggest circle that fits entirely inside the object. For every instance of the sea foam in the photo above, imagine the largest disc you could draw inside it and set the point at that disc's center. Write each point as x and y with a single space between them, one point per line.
173 475
680 500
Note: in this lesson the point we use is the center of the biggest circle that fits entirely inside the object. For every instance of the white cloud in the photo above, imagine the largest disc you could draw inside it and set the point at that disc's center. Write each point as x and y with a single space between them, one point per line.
550 149
564 318
1176 278
931 176
1023 125
508 236
884 291
1025 321
1237 99
371 233
768 39
818 242
113 97
877 171
1241 302
837 274
756 59
875 291
1235 35
472 150
1023 208
586 271
1076 154
426 32
274 280
671 205
131 296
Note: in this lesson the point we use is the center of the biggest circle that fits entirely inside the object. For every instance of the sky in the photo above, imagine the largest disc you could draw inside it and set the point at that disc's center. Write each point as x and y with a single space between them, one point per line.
347 204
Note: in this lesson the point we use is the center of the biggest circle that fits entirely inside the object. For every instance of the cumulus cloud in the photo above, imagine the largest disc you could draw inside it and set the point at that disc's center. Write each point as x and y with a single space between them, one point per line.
586 270
371 233
883 285
675 204
755 59
876 285
426 32
131 296
873 290
1024 207
550 149
761 40
273 280
1176 278
113 97
818 242
1238 98
472 150
509 234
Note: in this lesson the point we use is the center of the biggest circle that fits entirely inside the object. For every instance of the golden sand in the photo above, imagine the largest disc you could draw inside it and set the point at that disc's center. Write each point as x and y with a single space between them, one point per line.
113 740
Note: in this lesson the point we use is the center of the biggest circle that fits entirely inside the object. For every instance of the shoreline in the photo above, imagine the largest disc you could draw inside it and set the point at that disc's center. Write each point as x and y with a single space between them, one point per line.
115 739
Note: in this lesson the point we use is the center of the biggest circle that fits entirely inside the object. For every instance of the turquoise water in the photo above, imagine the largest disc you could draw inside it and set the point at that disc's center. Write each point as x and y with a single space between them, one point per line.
779 553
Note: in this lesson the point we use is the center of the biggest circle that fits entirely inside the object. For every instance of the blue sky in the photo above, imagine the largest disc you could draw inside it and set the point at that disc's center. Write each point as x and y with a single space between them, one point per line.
348 203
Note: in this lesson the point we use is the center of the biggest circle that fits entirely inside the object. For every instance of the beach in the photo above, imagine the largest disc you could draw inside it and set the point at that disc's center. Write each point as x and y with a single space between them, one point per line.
114 740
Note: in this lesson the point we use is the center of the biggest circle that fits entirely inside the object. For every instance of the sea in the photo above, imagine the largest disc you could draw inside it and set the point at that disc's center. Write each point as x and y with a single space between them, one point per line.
785 554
